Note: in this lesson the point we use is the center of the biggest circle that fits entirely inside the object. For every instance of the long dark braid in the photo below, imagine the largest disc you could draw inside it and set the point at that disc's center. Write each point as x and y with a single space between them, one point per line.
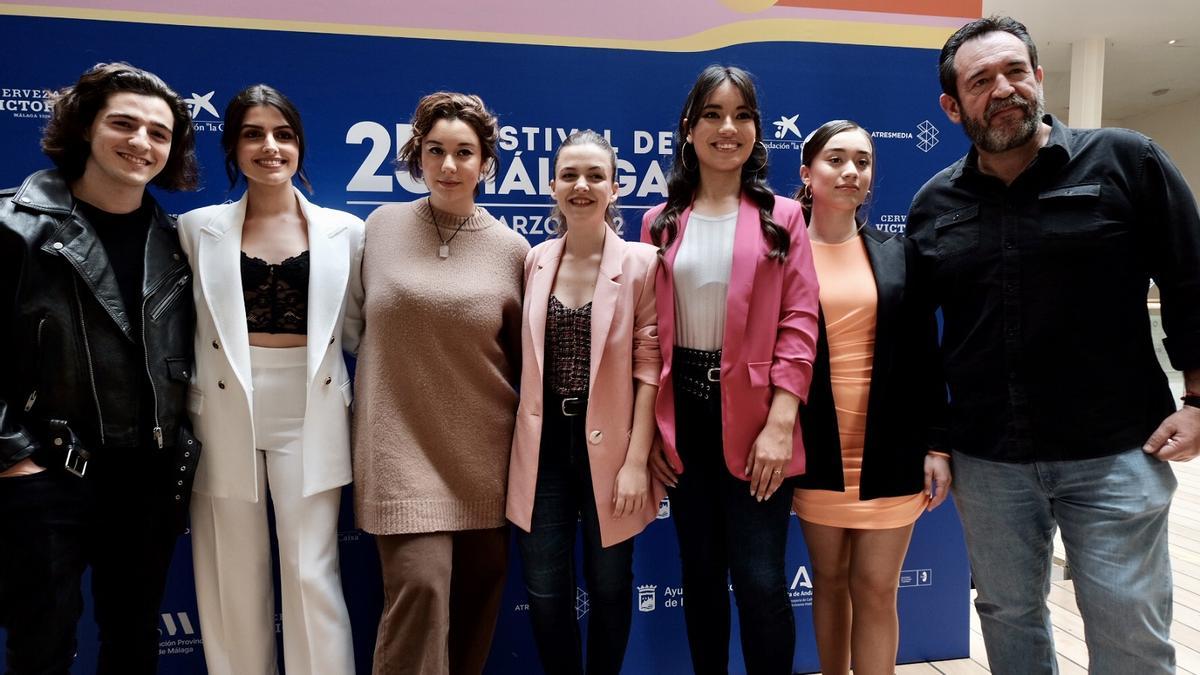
684 175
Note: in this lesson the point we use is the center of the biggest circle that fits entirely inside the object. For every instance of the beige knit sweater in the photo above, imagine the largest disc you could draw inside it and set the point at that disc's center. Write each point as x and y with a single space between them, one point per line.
434 398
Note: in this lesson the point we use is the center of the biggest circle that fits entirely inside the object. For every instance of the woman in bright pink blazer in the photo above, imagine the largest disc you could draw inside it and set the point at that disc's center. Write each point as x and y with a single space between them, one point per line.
585 424
737 327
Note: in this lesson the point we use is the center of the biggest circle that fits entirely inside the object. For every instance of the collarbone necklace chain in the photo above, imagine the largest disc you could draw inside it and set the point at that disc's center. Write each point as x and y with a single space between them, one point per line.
447 221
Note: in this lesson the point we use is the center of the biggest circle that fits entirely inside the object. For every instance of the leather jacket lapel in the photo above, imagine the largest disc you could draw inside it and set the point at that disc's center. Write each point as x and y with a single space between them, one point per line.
76 242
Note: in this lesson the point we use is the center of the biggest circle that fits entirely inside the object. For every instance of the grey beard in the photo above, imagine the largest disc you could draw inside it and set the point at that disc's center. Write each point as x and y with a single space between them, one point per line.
1001 140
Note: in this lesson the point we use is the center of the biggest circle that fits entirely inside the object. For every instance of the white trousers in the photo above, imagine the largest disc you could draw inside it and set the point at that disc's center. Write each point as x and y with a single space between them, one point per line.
231 547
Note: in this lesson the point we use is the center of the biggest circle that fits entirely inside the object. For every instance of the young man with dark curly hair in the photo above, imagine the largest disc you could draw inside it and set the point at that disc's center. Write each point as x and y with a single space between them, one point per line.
96 325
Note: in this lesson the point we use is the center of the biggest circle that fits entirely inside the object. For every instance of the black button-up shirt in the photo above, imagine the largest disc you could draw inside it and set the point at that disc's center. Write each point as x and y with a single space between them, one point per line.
1042 284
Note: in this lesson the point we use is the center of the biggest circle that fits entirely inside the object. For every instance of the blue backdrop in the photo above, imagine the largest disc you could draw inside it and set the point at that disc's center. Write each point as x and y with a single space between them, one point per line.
356 95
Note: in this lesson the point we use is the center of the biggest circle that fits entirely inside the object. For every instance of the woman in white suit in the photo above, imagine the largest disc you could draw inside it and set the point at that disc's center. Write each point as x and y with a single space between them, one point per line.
278 298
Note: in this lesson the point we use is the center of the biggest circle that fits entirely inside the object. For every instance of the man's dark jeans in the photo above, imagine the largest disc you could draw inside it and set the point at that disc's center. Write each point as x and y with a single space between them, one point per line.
52 526
563 498
725 534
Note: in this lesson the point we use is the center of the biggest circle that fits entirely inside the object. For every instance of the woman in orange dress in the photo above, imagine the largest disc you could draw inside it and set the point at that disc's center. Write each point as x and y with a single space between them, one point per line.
867 422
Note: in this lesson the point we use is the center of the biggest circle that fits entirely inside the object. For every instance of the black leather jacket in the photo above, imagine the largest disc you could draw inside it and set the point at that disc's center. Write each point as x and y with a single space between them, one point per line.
68 350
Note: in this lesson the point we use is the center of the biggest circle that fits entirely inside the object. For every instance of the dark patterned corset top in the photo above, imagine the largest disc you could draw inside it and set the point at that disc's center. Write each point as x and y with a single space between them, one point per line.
569 347
276 296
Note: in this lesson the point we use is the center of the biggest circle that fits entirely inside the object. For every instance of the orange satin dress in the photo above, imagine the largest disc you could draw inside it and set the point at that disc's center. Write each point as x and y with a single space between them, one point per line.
848 301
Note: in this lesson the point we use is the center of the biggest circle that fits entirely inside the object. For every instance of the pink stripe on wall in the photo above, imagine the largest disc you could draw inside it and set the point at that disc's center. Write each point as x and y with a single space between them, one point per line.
612 19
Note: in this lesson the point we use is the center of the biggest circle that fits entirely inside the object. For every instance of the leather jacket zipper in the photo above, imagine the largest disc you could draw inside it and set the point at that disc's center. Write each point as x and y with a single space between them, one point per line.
87 350
158 433
172 295
33 394
158 309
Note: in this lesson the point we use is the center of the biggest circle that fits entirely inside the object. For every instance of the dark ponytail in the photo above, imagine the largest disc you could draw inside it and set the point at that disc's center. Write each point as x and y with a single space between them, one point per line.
815 143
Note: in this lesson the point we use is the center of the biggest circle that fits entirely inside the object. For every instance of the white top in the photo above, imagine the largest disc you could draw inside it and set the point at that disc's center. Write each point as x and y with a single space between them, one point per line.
701 275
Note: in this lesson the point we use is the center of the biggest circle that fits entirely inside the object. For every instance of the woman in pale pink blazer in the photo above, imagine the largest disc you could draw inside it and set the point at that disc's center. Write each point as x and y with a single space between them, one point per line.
589 377
737 306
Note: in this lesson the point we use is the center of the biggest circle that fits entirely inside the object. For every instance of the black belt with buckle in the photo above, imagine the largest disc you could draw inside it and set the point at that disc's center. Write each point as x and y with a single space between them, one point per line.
64 442
568 406
697 372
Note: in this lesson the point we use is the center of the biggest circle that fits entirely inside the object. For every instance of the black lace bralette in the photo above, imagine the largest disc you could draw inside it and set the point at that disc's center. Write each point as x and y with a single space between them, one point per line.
276 296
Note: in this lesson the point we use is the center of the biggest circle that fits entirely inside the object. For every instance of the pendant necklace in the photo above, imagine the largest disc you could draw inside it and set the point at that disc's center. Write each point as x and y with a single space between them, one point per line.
438 224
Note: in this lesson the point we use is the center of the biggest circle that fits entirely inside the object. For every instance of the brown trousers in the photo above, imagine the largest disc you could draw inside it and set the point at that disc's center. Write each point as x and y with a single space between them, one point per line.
442 595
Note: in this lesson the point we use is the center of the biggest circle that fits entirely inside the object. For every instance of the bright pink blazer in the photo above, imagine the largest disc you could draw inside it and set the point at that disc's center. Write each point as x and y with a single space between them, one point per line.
770 332
624 349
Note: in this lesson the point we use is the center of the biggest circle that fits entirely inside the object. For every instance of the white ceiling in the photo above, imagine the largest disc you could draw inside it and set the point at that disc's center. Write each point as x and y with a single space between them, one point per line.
1137 60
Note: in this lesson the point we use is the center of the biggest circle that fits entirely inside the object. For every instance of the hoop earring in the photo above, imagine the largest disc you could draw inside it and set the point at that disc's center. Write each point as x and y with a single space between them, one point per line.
683 156
806 193
764 160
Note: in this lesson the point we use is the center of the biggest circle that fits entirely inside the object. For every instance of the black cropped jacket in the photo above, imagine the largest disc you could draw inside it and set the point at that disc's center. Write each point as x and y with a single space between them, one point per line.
907 399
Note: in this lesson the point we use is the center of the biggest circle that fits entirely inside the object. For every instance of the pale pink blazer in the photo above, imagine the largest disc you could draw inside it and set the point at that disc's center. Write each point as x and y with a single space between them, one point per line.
770 332
624 349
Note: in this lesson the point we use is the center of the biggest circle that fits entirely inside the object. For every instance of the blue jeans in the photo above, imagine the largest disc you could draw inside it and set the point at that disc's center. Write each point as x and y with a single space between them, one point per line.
1113 515
564 497
725 534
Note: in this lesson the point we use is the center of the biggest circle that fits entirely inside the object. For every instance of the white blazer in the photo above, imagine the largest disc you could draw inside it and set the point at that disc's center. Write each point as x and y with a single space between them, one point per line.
220 399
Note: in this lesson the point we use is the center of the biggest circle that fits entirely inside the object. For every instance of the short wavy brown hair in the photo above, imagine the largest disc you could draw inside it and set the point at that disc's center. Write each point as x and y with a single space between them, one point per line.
451 105
75 108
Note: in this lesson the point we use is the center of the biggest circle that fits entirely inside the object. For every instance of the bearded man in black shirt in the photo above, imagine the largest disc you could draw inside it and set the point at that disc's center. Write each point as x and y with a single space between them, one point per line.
1040 246
96 323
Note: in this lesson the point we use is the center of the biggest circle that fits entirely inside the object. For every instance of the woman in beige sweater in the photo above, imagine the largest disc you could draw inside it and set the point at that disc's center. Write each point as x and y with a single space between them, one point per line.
435 397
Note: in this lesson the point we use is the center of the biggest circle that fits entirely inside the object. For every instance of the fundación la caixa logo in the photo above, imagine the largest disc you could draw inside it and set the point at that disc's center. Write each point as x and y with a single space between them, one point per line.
787 134
201 108
785 126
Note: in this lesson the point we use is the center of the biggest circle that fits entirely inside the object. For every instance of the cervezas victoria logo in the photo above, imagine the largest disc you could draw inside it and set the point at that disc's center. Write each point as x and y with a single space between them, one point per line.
26 102
204 114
